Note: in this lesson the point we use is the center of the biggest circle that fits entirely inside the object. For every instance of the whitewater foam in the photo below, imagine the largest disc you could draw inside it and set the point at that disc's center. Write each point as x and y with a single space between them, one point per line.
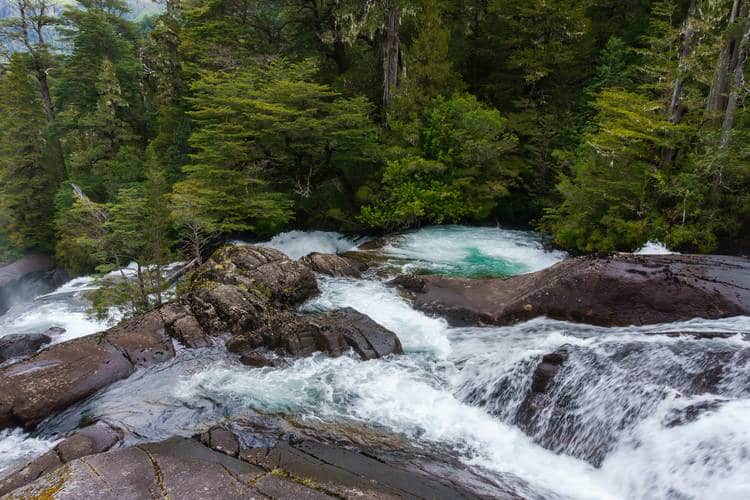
297 244
17 447
472 252
654 248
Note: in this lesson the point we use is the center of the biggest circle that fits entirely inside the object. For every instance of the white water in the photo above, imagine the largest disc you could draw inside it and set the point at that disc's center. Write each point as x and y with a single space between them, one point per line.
463 388
297 244
426 397
654 248
471 251
17 447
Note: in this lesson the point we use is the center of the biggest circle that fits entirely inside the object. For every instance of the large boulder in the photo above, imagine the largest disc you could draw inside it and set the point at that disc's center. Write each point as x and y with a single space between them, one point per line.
96 438
334 333
622 289
239 286
71 371
177 468
20 345
334 265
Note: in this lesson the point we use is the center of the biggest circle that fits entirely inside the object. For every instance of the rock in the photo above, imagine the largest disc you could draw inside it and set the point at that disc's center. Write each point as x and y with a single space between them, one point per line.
334 265
374 244
13 277
54 331
546 370
181 325
349 473
176 468
20 345
96 438
221 439
620 290
691 413
71 371
333 333
261 358
240 285
536 399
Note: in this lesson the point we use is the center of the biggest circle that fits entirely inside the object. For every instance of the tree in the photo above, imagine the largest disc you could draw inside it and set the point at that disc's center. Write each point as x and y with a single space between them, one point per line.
106 153
264 136
97 31
430 70
30 29
462 168
28 177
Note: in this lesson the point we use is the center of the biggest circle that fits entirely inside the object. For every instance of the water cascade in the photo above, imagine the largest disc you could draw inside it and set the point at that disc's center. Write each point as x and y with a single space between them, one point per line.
635 412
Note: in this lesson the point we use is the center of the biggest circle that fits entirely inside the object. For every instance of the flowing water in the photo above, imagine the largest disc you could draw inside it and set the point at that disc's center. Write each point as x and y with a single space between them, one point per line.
641 412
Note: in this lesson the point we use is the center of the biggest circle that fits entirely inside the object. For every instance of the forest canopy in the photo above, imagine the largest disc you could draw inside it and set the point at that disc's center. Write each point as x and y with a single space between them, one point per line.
603 123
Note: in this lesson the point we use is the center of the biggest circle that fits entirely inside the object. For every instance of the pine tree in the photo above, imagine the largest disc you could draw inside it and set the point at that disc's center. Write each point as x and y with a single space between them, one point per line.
106 153
28 170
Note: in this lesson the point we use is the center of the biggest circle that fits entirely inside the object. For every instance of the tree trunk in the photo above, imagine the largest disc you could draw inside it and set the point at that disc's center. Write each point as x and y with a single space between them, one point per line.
41 76
718 93
675 111
737 88
391 46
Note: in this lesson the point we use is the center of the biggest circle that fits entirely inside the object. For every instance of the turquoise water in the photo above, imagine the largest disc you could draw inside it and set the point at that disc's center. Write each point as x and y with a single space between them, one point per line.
472 252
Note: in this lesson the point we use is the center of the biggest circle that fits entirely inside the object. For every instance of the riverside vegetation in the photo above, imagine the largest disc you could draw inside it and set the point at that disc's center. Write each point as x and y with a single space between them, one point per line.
603 123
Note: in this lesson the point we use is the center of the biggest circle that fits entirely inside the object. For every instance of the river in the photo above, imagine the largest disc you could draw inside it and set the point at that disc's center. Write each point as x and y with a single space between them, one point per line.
620 420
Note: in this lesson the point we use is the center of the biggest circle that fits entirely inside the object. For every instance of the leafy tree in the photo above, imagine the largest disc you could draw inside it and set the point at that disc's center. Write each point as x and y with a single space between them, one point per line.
264 136
464 168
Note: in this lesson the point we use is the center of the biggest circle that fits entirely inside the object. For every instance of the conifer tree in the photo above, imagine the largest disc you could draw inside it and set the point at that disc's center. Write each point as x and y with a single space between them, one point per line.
28 175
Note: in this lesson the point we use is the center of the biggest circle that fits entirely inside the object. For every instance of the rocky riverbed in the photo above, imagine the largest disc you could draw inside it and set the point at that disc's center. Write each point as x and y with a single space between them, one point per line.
317 378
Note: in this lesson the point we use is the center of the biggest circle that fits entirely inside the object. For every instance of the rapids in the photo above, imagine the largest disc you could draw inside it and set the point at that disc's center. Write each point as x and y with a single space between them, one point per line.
633 413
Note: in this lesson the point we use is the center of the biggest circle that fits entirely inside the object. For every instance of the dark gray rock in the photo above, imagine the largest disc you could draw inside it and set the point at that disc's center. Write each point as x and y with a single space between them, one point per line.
180 324
15 279
619 290
239 286
21 345
333 333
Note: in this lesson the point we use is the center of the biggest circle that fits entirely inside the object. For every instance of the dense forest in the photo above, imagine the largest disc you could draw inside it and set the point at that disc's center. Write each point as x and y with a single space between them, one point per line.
604 123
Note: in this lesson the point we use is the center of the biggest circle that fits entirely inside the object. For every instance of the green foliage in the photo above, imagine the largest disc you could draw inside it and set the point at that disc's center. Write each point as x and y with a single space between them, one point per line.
224 116
28 177
464 168
265 135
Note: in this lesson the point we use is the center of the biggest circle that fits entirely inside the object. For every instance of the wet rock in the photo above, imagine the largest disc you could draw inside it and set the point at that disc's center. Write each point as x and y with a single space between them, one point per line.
16 279
261 358
21 345
334 265
374 244
536 399
546 370
71 371
349 473
692 412
623 289
180 324
54 331
240 285
176 468
96 438
333 333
